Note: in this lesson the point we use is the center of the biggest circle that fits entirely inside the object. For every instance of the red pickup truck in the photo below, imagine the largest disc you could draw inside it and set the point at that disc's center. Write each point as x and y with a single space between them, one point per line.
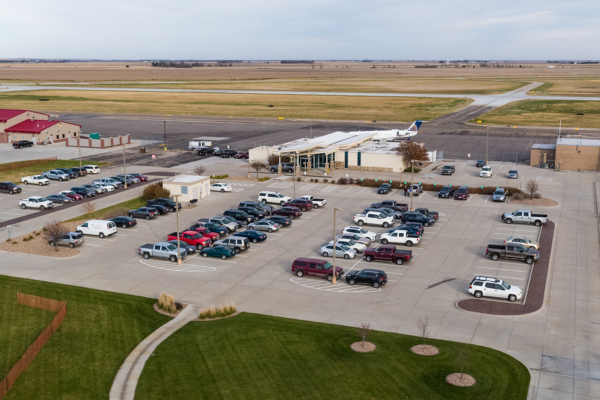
315 267
214 236
192 238
388 253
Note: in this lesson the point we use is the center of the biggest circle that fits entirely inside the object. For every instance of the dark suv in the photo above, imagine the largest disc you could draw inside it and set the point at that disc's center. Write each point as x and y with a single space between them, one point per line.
446 192
302 204
480 163
385 188
285 167
170 204
253 211
204 151
368 276
266 209
240 215
9 187
79 171
448 170
228 153
85 192
462 193
418 217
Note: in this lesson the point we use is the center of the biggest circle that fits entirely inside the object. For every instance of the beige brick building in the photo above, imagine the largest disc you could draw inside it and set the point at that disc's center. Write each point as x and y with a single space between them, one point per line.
18 125
568 154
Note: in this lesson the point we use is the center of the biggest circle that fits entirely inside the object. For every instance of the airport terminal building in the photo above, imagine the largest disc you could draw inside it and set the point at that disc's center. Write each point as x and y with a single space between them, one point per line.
338 150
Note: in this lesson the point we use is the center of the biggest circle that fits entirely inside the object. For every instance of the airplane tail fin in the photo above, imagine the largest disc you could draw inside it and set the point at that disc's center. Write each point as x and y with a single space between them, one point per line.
415 126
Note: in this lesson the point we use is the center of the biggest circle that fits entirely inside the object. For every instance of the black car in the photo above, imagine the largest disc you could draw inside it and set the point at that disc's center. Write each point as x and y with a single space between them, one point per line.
122 180
480 163
402 207
170 204
124 222
59 198
412 230
68 171
184 245
281 220
385 188
204 151
162 210
259 205
253 235
84 192
448 170
253 211
9 187
240 215
446 192
418 217
79 171
22 143
367 276
228 153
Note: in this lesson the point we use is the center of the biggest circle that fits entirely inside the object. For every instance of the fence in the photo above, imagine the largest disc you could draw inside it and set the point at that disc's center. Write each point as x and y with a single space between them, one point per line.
22 164
514 157
37 302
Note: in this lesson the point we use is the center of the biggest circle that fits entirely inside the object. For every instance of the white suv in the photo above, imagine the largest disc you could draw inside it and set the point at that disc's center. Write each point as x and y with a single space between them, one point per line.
486 172
491 287
92 169
273 197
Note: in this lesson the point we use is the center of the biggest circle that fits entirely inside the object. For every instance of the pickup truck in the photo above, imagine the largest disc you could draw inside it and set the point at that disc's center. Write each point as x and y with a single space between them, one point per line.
162 250
230 226
525 217
316 202
316 267
35 202
374 218
418 217
192 238
56 175
401 236
431 214
402 207
302 204
512 252
36 180
22 143
388 253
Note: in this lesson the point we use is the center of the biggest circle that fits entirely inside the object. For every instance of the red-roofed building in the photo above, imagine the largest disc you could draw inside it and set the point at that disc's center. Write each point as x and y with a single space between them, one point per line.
18 125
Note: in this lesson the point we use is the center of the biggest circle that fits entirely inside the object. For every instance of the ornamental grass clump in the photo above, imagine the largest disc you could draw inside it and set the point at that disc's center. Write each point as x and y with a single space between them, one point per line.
218 312
166 302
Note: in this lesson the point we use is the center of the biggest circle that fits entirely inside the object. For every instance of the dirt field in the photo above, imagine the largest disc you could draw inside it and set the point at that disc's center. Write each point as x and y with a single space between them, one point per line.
39 245
569 87
546 113
243 105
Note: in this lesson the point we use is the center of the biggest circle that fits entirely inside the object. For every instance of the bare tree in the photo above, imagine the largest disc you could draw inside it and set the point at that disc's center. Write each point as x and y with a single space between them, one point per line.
364 330
532 187
88 207
423 327
462 358
200 170
257 166
411 152
54 230
321 65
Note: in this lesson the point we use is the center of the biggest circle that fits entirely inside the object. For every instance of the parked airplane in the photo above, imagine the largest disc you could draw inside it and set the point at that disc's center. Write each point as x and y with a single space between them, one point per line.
397 134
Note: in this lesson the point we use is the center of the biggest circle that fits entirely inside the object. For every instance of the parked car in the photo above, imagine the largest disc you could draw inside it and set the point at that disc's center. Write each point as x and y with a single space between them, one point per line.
79 171
22 144
499 195
264 225
113 182
228 153
412 230
512 252
513 174
222 252
170 204
92 169
388 253
525 217
486 172
259 205
492 287
162 210
143 212
122 180
107 187
273 197
162 250
316 203
220 187
221 230
237 243
130 177
142 178
385 188
59 198
84 192
240 215
285 167
523 241
400 237
340 251
95 187
387 212
222 221
68 171
414 225
462 193
35 202
56 175
213 236
448 170
350 243
35 180
253 211
291 212
402 207
302 204
314 267
9 187
363 233
367 276
252 235
242 154
480 163
281 220
191 238
415 189
355 238
98 227
204 151
418 217
71 239
71 194
183 245
124 222
237 223
446 192
374 218
431 214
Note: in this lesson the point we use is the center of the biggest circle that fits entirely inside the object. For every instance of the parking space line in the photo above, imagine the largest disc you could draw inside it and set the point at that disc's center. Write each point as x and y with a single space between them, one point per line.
486 200
97 245
104 240
500 269
467 174
118 234
362 191
502 262
346 190
510 277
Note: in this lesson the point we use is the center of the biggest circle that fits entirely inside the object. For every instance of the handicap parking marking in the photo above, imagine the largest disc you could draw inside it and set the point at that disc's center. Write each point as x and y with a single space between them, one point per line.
171 266
330 287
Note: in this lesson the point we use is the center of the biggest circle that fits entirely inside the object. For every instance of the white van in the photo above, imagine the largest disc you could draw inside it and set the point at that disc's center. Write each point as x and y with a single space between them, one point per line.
98 227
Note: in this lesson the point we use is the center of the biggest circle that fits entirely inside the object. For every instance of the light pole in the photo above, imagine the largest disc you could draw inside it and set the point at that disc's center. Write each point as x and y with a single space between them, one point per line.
412 181
333 277
124 169
178 233
79 146
487 140
165 134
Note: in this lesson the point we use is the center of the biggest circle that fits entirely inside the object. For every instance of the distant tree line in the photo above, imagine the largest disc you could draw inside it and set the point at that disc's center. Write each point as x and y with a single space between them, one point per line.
175 64
297 61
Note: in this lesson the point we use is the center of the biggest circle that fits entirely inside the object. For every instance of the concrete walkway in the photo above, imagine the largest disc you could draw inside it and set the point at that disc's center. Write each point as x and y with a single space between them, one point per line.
125 382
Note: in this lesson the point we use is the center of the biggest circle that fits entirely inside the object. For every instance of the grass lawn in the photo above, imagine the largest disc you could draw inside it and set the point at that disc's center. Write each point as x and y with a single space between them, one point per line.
15 175
253 356
82 358
545 113
577 86
129 204
243 105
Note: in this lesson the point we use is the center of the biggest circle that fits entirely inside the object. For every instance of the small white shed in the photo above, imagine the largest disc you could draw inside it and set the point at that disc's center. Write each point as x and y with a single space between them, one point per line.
188 186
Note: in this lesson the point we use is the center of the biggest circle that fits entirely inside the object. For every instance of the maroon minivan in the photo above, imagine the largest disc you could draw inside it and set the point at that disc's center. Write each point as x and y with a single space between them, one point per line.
314 267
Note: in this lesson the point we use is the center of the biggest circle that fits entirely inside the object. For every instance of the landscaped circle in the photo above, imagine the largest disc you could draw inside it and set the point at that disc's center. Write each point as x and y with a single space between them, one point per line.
462 380
361 347
425 350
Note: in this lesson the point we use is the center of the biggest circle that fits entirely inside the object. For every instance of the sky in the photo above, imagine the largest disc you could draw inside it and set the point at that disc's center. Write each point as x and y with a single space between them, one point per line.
307 29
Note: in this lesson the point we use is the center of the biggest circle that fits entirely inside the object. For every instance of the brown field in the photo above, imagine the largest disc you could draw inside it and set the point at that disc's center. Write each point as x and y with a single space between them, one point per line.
585 87
244 105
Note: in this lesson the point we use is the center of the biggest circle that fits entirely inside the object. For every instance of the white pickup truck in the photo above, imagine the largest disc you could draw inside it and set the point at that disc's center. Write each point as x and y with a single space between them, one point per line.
374 218
35 202
35 180
316 202
400 237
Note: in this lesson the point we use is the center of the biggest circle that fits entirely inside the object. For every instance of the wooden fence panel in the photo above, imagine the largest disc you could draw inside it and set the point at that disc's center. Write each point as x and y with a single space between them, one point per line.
37 302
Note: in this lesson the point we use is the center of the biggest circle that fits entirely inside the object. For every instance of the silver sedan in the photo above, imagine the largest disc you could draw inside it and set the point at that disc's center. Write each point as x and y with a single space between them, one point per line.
263 225
340 251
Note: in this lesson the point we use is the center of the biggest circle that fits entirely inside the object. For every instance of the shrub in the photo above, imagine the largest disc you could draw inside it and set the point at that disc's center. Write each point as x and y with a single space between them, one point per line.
155 191
166 302
14 242
517 196
219 176
342 181
312 180
316 181
410 170
333 182
44 229
263 179
37 234
537 196
325 180
274 159
217 312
